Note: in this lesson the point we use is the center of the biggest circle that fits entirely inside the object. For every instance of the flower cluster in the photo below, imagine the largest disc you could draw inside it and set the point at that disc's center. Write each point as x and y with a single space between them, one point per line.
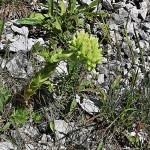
86 47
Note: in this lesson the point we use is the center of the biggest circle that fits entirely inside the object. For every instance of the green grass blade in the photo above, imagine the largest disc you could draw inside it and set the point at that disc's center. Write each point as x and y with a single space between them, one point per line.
1 26
51 7
137 40
72 6
63 7
130 47
100 145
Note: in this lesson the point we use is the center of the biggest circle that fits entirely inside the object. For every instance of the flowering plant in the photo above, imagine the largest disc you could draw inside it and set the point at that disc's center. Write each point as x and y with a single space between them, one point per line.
83 47
87 49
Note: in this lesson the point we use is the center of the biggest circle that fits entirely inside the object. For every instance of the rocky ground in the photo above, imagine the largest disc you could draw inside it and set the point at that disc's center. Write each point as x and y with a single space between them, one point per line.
126 51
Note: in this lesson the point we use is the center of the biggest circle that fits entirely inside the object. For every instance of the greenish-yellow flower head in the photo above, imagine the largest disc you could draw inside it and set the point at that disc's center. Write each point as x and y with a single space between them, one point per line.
87 49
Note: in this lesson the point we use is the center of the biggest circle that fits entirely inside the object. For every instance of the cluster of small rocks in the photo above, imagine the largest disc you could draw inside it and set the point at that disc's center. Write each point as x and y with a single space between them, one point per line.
128 19
134 16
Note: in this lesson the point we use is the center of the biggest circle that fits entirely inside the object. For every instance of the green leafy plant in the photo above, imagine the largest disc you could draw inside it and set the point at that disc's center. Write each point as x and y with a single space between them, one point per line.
58 14
87 49
4 96
36 117
134 140
20 116
83 47
60 21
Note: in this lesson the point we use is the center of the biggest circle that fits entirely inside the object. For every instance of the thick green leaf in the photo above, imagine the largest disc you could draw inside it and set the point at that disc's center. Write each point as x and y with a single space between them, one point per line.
52 126
81 23
57 25
6 126
83 84
38 16
63 7
73 105
51 7
72 6
36 47
29 21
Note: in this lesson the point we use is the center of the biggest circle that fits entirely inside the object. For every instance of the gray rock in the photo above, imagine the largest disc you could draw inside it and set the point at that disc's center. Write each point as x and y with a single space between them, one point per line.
7 146
113 26
61 129
22 31
128 65
129 6
147 67
144 35
125 72
118 5
44 138
146 25
1 46
98 8
130 28
121 18
104 60
3 63
26 133
101 69
46 142
61 68
38 57
19 66
9 36
90 105
29 147
134 13
136 50
22 43
115 36
107 4
44 147
123 13
30 131
114 65
141 42
88 27
144 9
85 139
100 78
87 1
